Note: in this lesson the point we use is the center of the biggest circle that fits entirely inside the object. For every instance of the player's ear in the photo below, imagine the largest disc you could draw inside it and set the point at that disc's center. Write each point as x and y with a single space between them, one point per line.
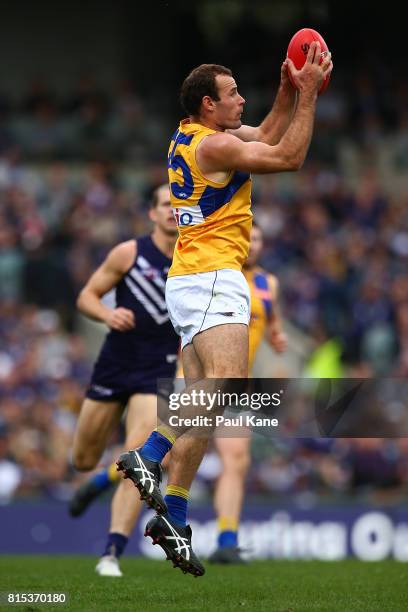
152 214
208 103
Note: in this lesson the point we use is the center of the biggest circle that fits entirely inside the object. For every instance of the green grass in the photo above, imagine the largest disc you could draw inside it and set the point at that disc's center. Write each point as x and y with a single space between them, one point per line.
276 586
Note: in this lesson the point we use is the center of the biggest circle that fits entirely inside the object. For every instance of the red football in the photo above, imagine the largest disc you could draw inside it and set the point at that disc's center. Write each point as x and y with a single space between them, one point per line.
299 47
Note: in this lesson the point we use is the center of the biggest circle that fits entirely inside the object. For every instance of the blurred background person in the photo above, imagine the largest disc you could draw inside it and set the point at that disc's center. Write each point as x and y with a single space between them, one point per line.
234 452
140 348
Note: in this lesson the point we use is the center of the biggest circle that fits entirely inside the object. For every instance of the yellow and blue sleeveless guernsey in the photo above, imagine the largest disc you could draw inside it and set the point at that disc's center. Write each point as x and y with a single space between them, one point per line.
261 309
214 219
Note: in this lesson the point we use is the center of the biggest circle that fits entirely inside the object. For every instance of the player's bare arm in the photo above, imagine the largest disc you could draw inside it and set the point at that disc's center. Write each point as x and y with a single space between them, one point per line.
224 152
277 120
107 276
276 336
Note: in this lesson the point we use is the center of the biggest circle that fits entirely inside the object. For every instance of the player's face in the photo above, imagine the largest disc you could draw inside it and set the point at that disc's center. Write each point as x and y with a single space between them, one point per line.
162 215
255 246
230 106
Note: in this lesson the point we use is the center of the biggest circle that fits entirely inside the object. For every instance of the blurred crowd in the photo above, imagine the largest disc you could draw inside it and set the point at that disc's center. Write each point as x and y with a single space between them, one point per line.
88 122
43 372
341 255
311 470
75 179
57 224
85 124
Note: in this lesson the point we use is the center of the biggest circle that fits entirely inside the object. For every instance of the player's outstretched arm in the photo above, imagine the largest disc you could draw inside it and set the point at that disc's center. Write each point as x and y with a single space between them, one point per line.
107 276
277 120
223 151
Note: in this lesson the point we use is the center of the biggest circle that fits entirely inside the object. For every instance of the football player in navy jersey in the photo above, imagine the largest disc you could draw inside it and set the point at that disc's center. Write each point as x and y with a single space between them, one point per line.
140 348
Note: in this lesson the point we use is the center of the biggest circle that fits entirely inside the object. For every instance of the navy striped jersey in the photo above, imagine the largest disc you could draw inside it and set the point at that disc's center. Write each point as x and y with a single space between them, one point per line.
142 290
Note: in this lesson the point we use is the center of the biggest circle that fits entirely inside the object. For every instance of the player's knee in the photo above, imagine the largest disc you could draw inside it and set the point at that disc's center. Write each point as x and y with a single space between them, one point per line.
242 464
236 462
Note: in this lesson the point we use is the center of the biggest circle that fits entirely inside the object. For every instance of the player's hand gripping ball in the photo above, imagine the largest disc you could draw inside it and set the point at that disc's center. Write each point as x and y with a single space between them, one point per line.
299 47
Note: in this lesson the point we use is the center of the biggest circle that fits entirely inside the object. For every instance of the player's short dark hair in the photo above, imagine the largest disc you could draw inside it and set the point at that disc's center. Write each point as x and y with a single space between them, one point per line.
154 197
199 83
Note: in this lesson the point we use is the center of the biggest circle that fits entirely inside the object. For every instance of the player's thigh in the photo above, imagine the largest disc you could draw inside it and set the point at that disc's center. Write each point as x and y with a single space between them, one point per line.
223 350
95 424
141 418
234 452
192 366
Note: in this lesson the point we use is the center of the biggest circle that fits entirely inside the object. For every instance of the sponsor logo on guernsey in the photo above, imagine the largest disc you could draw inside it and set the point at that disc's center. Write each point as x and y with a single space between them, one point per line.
150 272
188 215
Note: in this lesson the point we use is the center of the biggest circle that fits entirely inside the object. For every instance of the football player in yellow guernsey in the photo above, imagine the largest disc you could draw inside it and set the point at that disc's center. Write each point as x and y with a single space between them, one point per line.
265 314
265 322
210 161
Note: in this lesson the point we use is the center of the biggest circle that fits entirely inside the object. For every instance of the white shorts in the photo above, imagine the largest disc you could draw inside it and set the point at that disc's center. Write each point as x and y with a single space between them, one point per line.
199 301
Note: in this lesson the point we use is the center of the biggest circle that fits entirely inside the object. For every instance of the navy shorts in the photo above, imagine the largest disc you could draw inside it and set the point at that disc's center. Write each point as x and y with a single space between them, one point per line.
111 381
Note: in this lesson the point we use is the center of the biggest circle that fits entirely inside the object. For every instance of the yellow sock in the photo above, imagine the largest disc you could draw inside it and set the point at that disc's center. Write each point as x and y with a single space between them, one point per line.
165 431
227 523
175 490
113 473
227 532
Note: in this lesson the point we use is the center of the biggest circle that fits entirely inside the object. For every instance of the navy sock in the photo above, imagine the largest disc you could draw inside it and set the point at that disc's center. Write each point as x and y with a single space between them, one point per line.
115 545
155 447
177 509
227 539
101 480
